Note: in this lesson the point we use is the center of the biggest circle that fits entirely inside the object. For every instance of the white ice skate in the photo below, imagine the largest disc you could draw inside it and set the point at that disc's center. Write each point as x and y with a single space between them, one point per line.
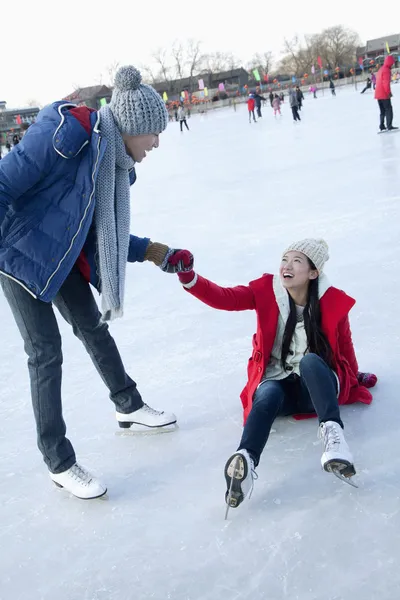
239 475
147 417
337 458
79 482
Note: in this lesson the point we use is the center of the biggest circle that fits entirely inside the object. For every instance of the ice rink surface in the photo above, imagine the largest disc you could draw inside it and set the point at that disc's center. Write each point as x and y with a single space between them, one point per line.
236 195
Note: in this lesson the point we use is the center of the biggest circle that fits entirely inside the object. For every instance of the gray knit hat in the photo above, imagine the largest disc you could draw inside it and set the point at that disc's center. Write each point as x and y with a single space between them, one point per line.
137 108
316 250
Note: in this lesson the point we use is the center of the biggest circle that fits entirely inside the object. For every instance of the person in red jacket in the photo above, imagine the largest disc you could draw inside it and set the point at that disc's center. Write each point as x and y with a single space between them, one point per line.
251 105
383 94
303 360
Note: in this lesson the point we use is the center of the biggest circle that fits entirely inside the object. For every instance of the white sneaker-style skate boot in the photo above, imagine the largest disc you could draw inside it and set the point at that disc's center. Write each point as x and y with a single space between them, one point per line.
239 475
337 457
146 416
79 482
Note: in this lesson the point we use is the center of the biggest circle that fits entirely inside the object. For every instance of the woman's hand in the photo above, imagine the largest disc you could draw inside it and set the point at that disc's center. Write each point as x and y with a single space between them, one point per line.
177 261
368 380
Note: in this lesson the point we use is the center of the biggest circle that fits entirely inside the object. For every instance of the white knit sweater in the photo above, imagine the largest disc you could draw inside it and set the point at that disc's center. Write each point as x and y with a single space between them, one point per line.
298 346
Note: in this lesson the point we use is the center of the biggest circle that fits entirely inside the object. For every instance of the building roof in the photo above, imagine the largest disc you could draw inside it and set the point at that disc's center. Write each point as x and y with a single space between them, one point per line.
380 43
87 93
228 74
20 111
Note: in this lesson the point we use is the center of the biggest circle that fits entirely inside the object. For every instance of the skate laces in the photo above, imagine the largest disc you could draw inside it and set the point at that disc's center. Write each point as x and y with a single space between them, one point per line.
80 474
330 436
152 411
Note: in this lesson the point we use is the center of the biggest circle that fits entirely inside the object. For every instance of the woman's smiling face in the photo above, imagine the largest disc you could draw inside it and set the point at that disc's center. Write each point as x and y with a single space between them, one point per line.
295 270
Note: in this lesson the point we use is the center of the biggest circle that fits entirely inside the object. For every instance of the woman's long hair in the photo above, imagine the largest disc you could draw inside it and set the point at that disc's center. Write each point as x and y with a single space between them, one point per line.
317 342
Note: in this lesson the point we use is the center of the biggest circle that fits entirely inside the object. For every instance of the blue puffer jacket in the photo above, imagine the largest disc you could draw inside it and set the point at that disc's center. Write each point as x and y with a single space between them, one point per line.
47 200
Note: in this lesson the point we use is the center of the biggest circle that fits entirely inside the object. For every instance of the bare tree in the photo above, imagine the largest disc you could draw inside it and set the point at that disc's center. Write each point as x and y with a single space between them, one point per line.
336 46
149 75
33 103
217 61
194 56
111 72
263 61
178 54
292 61
341 45
162 59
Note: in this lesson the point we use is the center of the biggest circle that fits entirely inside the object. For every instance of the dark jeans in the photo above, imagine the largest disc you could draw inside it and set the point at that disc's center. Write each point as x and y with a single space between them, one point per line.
37 324
259 111
182 121
386 111
295 113
315 391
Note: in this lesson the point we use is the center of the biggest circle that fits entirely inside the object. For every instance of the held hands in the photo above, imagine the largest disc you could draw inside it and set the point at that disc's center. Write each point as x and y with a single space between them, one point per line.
178 261
368 380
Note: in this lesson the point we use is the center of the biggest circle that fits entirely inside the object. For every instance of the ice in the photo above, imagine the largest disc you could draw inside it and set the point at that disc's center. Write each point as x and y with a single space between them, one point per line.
235 194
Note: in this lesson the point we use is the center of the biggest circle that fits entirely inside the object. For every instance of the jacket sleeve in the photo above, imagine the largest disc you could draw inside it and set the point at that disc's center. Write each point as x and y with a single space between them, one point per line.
346 344
236 298
137 248
29 162
385 81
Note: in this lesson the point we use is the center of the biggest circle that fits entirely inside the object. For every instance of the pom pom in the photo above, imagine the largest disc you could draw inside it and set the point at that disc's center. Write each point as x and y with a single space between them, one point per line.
127 78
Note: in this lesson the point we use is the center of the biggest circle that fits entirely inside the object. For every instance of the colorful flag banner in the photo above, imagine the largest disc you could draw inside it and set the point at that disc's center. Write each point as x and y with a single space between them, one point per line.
293 79
221 87
319 61
103 102
313 70
205 92
387 48
256 75
326 72
18 120
201 84
202 94
266 77
165 97
183 95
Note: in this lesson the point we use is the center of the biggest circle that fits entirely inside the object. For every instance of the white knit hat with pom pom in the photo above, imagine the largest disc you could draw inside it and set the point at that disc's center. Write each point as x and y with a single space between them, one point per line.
137 108
316 250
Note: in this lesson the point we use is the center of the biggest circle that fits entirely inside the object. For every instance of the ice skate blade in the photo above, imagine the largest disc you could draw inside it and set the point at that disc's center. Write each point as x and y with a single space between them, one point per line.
129 424
100 496
143 430
235 471
343 471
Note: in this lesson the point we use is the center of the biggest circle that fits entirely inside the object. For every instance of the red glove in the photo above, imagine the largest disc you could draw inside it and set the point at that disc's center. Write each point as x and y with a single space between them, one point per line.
176 261
186 277
368 380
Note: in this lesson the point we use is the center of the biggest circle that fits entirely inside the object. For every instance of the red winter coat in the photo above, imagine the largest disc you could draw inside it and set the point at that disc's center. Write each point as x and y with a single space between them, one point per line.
259 296
251 104
383 77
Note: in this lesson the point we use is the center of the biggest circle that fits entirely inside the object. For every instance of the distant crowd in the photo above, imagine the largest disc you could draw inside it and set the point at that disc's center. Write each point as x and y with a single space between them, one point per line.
13 139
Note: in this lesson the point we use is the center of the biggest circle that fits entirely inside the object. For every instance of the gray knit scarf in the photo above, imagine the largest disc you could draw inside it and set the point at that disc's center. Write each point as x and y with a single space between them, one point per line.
112 217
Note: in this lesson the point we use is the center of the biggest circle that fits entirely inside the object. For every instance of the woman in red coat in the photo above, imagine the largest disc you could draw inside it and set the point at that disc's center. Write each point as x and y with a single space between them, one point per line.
303 359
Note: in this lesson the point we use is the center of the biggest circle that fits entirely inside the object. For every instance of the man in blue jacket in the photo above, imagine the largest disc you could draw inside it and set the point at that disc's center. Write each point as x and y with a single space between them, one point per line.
64 223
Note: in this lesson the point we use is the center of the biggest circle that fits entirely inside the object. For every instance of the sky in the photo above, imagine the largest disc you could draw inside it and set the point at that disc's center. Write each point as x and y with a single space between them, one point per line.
60 46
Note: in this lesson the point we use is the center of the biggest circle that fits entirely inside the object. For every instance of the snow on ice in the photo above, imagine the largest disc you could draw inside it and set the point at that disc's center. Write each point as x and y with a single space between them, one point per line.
235 194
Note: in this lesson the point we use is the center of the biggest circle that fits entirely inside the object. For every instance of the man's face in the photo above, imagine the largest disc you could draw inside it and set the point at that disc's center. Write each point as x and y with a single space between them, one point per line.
137 146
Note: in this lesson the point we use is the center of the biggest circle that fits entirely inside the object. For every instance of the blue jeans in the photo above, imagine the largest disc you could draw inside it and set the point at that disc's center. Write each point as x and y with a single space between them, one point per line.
37 324
315 391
